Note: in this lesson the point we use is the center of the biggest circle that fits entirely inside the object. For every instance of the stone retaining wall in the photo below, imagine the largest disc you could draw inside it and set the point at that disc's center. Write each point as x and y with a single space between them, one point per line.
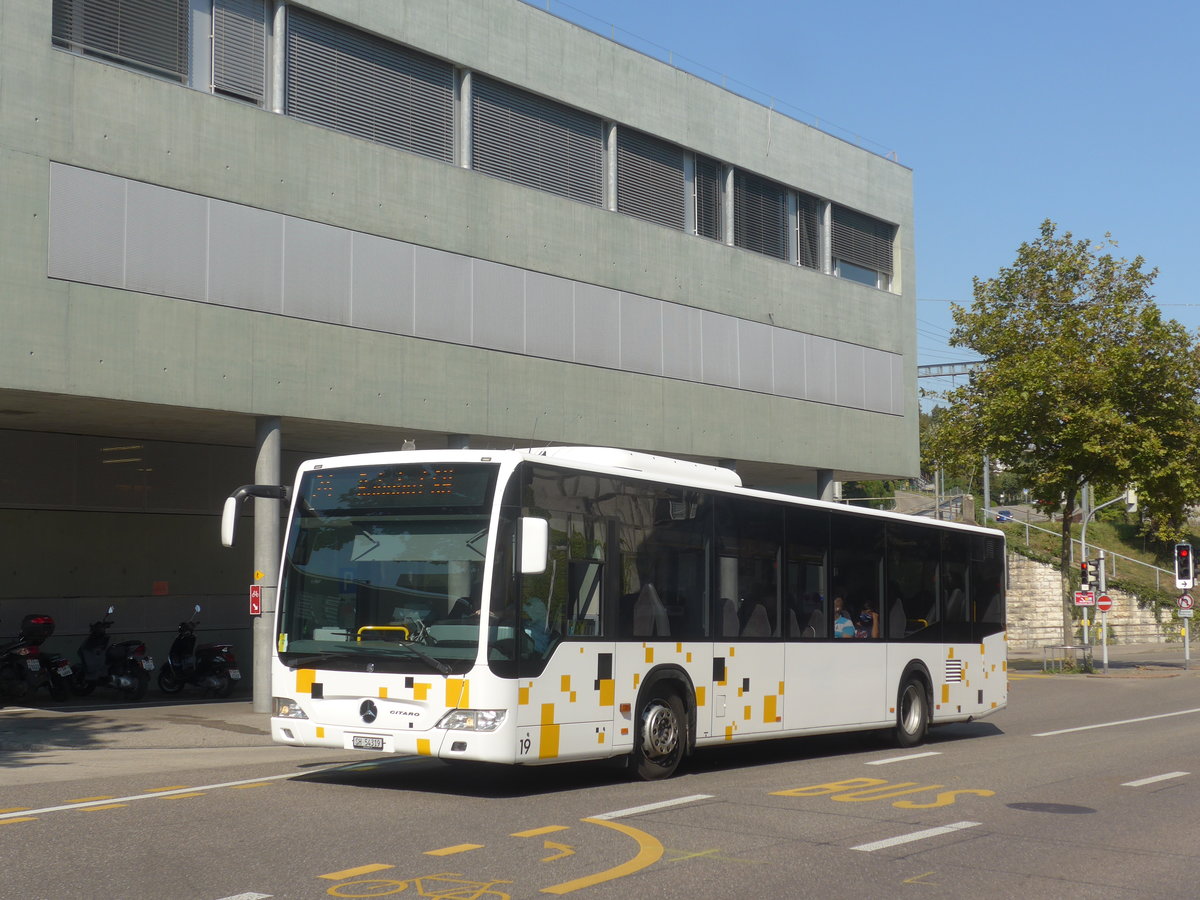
1035 611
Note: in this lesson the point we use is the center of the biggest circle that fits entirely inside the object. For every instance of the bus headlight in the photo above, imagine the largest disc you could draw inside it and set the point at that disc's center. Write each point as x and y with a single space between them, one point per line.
287 708
472 719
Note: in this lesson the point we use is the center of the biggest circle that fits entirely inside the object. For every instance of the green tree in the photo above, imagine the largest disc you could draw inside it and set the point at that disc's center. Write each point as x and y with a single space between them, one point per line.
1083 381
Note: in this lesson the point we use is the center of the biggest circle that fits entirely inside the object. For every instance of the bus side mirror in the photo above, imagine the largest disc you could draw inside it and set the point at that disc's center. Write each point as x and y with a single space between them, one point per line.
229 512
535 545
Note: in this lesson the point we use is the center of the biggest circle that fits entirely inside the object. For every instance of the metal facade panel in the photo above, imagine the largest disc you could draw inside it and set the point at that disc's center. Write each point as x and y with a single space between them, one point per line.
788 353
641 334
898 385
820 377
382 284
442 296
877 374
682 335
549 316
597 326
245 267
316 271
166 242
719 349
851 385
87 226
497 306
754 357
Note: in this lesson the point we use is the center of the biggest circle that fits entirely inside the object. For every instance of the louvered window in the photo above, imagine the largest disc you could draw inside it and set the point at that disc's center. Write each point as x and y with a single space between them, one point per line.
862 240
808 231
354 82
649 178
240 48
534 141
147 34
708 198
760 215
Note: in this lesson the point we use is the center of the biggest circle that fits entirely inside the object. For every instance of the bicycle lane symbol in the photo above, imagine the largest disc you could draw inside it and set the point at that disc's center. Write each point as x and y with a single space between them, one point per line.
452 885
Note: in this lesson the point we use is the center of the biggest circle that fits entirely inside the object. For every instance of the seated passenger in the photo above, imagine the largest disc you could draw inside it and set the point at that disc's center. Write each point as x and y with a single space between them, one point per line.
868 624
843 627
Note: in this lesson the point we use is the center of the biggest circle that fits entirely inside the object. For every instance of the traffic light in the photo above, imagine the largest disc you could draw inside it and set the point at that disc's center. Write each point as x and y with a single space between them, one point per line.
1131 499
1088 578
1184 571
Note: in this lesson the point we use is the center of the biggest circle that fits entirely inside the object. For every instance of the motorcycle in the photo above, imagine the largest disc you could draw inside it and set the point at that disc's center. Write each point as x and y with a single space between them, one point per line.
24 667
212 667
124 666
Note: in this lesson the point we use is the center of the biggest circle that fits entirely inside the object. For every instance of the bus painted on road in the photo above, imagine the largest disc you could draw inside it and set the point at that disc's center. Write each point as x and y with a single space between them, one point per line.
573 603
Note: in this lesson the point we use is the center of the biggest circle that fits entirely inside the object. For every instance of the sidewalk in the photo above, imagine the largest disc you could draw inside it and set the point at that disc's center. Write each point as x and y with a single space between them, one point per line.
1157 660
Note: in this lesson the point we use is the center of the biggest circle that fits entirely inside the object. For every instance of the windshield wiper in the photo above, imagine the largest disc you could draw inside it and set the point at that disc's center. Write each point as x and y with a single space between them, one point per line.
358 656
433 662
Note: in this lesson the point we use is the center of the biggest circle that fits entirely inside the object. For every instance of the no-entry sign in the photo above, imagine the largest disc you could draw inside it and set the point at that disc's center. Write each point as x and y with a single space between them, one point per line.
1104 603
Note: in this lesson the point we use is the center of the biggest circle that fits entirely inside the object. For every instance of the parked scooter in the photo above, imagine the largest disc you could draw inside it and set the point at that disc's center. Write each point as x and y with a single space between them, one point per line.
123 666
212 667
24 667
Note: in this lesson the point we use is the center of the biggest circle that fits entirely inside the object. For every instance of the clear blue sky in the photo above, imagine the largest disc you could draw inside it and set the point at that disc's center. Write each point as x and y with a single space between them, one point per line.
1008 114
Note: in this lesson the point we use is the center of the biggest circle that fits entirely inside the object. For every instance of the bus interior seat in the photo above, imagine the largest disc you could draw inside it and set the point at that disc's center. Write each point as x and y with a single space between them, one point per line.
649 615
758 623
729 618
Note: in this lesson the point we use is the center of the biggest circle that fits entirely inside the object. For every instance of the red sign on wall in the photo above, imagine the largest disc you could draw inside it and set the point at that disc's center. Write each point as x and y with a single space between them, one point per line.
256 599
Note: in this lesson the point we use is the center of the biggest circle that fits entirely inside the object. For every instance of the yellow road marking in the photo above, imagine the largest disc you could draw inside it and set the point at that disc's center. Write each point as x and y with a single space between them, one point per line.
916 879
532 832
650 851
183 796
361 870
15 809
173 787
450 851
18 819
90 799
564 850
105 806
708 854
242 787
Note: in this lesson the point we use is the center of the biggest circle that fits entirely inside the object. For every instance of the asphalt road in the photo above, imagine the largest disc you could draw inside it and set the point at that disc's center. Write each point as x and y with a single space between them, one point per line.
1083 787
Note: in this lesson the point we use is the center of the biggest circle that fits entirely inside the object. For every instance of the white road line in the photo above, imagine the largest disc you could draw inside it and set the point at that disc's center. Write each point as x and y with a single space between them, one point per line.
884 762
248 896
1182 712
915 836
1142 782
650 807
154 794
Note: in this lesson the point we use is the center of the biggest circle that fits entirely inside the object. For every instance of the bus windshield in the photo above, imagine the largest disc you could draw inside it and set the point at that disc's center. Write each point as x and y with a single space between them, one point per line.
384 567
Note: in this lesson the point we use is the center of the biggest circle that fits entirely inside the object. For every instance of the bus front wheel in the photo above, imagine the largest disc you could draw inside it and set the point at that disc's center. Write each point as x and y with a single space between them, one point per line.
661 738
912 713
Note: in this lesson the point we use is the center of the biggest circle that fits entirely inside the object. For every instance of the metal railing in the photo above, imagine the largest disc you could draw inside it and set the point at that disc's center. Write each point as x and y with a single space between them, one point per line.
1110 556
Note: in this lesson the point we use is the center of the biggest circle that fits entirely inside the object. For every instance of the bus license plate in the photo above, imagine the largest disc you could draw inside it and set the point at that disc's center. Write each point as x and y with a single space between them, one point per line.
366 742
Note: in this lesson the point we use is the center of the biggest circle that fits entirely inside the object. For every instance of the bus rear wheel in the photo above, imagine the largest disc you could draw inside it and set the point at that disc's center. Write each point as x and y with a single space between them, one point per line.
912 713
662 737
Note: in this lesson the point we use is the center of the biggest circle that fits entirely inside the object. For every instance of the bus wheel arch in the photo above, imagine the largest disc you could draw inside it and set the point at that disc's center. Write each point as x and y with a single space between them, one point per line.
914 705
664 723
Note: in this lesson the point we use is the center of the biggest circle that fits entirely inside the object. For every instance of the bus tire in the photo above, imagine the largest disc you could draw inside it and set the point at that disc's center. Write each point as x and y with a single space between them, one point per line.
662 736
912 712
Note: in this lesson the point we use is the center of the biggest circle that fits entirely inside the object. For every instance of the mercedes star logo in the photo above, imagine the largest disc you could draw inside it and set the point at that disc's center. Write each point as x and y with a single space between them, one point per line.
368 711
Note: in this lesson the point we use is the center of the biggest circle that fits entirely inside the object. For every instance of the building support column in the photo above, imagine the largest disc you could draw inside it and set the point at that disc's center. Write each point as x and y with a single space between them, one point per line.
267 513
825 485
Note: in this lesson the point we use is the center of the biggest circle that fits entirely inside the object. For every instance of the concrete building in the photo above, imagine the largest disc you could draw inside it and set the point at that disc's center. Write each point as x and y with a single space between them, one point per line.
238 233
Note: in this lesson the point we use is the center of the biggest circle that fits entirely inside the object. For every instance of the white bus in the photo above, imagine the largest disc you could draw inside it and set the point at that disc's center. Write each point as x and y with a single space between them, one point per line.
571 603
